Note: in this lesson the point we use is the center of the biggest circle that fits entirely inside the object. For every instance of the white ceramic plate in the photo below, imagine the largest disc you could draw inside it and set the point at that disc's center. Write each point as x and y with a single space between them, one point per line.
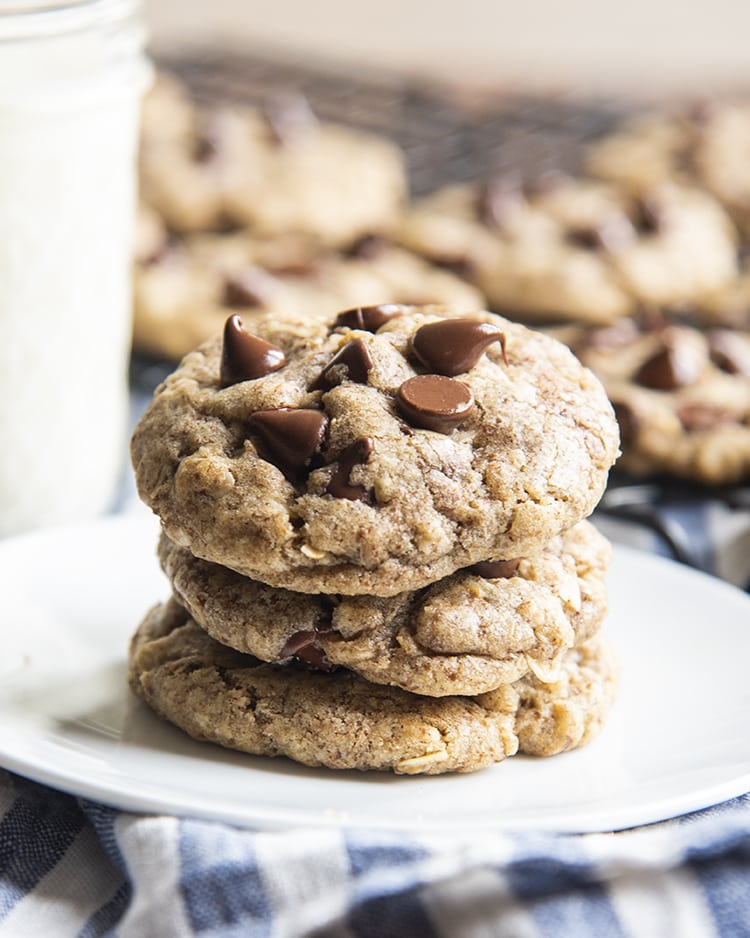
677 740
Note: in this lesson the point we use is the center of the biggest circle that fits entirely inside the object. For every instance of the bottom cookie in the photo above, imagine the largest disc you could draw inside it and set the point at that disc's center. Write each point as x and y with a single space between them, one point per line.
340 721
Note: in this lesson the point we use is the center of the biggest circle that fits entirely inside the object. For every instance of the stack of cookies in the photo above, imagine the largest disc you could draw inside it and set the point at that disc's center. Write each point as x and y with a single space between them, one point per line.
374 528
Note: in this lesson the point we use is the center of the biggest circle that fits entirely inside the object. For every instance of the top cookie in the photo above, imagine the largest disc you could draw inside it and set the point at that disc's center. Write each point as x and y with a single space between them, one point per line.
376 453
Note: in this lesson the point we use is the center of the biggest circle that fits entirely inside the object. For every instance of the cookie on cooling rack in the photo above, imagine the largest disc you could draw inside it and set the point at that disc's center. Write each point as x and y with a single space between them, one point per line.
185 289
681 395
376 453
575 249
706 146
275 171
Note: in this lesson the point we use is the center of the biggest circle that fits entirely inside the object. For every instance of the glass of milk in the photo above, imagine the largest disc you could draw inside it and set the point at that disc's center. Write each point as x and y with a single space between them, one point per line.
71 79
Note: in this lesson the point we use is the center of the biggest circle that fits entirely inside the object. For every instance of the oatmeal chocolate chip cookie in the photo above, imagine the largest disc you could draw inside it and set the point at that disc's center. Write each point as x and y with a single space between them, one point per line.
681 395
574 249
466 634
276 170
707 146
321 477
184 291
728 306
337 720
340 721
568 712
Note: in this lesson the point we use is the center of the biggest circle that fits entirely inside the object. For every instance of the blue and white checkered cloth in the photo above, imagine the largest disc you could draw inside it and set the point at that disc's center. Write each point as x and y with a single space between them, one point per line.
69 867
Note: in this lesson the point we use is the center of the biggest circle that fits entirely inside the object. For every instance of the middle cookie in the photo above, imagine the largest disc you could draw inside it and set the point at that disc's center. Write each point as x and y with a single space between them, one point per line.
467 634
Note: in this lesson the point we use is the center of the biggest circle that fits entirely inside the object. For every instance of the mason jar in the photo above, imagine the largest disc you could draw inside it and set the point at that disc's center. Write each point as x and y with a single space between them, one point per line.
71 79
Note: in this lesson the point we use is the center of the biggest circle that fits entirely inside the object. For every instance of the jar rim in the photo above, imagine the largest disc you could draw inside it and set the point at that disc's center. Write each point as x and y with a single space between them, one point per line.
30 18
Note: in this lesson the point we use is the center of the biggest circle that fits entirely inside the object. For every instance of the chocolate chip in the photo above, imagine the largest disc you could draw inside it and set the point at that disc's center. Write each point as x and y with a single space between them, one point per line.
617 335
697 416
729 352
168 252
453 346
205 149
249 288
544 182
369 318
212 131
367 248
499 199
435 402
245 356
356 454
650 318
301 645
495 569
674 365
290 437
352 362
650 215
611 234
289 118
627 419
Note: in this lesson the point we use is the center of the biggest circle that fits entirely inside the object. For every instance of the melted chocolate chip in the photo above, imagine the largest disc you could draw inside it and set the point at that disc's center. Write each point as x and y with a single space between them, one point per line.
249 288
695 416
649 215
618 335
356 454
368 247
453 346
301 645
729 352
353 362
289 118
650 318
627 420
435 402
611 234
501 198
206 148
544 182
290 437
167 252
495 569
213 127
369 318
673 366
245 356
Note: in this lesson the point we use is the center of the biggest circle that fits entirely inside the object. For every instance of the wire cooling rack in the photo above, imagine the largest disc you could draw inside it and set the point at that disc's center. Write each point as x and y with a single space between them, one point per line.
447 133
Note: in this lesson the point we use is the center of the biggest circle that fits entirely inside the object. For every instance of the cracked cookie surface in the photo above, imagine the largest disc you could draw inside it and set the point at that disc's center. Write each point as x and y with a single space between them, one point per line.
338 720
324 486
465 634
